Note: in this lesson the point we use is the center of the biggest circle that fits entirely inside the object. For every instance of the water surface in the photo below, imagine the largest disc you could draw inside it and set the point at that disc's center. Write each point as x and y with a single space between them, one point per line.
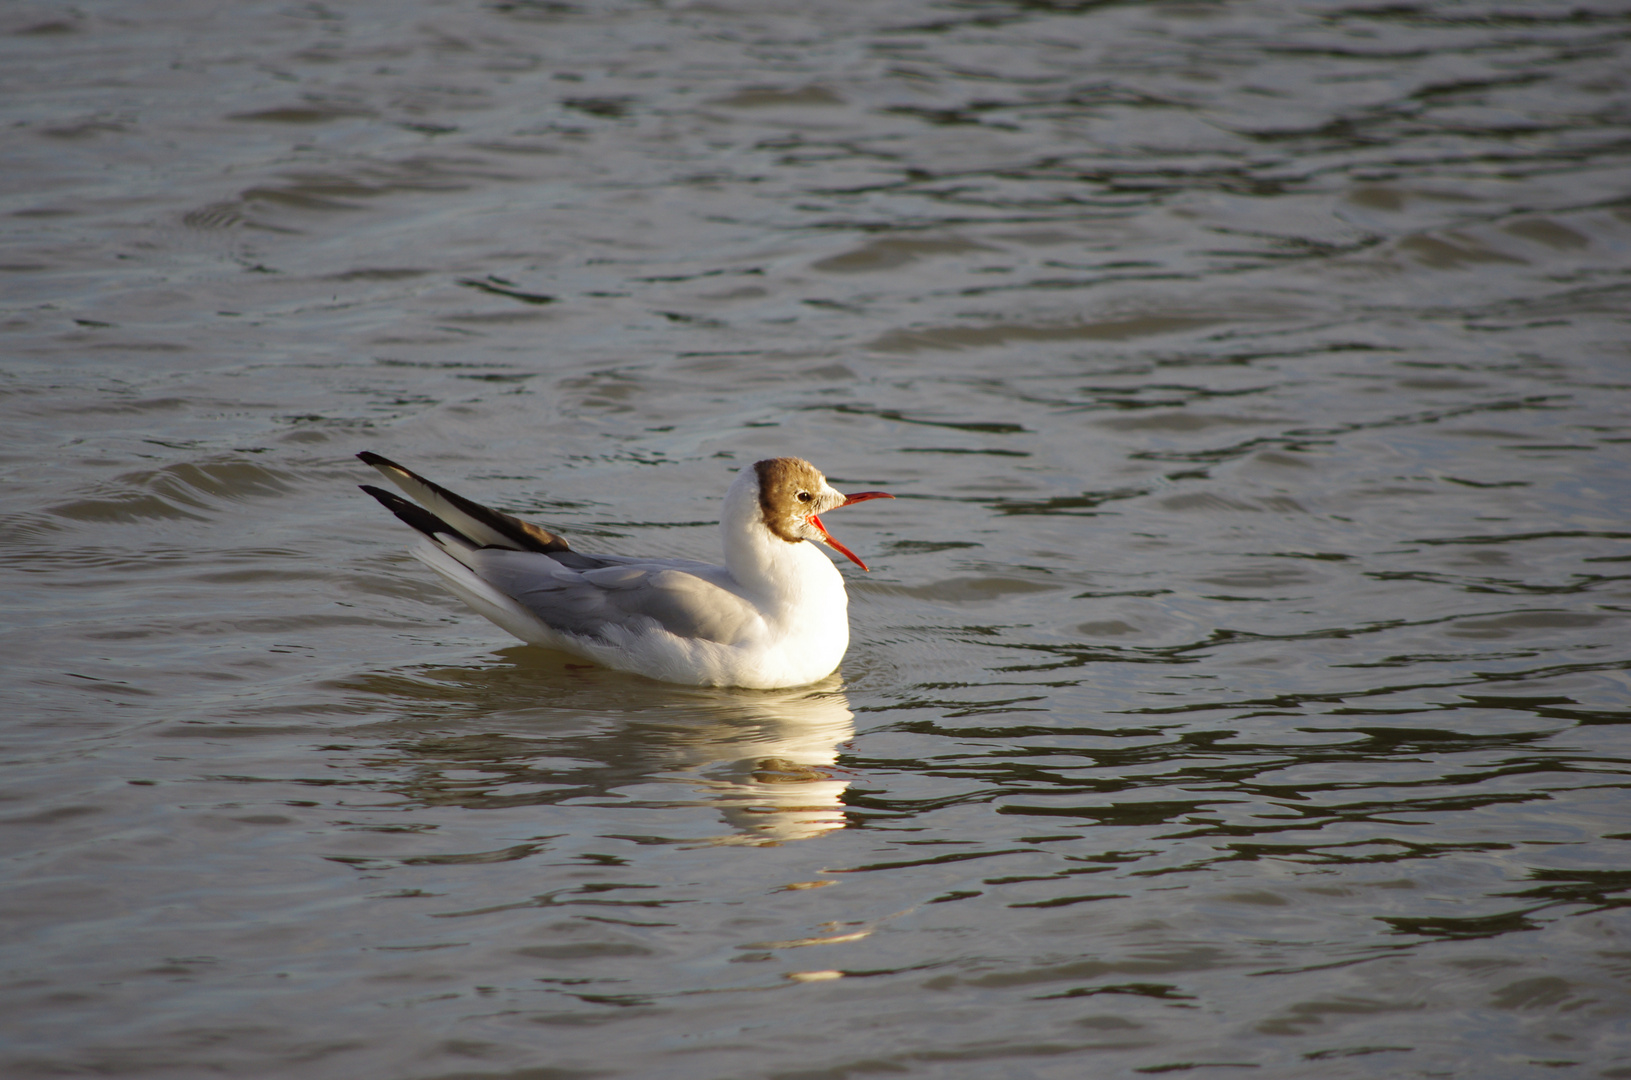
1240 686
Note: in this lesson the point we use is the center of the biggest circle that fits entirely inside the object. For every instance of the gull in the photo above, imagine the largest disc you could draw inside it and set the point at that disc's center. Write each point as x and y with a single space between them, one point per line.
775 615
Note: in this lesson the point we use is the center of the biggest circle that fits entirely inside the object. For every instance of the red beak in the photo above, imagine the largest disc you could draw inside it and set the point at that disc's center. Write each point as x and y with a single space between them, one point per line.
827 536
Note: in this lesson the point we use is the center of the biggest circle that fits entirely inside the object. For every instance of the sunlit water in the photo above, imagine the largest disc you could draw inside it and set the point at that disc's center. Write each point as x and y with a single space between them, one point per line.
1240 687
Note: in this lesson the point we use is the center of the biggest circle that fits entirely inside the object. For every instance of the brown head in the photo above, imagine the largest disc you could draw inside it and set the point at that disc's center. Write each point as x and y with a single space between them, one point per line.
792 493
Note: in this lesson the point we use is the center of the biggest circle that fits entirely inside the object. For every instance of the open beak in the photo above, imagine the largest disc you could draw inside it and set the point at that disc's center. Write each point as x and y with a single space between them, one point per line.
827 536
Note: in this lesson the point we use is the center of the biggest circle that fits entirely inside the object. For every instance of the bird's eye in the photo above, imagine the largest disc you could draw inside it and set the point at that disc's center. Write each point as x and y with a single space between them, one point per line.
805 496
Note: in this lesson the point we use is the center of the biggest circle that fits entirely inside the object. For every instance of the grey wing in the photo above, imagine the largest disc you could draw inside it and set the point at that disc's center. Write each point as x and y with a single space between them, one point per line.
619 596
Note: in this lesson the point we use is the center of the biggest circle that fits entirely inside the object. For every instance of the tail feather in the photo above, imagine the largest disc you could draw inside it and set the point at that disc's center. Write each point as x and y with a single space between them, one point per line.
479 525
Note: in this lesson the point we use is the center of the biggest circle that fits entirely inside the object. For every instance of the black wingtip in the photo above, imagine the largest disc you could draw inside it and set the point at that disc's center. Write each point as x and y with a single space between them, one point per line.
414 515
521 535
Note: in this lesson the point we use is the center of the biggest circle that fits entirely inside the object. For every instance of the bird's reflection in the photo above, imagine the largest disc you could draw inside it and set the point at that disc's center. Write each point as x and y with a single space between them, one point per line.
532 730
772 770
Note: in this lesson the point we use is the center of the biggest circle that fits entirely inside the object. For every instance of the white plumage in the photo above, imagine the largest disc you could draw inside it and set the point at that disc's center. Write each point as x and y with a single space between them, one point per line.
775 615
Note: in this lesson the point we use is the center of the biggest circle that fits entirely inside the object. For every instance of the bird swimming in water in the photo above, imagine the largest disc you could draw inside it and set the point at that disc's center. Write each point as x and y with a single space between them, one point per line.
775 615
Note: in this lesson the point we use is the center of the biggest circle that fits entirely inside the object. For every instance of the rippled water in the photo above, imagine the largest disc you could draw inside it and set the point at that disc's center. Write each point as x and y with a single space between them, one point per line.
1241 684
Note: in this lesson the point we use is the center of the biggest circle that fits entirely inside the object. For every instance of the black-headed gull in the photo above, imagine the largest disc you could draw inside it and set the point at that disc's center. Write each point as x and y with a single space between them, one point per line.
774 615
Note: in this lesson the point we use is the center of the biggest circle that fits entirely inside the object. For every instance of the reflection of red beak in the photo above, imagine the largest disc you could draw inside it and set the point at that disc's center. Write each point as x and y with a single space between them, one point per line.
827 536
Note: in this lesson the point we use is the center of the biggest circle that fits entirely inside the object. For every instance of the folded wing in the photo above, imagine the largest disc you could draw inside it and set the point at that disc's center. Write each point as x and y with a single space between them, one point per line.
508 569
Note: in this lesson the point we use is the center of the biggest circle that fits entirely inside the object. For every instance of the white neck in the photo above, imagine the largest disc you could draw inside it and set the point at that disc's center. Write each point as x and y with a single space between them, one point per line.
764 563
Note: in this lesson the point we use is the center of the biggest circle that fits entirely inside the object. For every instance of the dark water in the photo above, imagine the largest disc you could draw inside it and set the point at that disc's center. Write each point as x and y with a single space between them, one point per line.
1240 688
